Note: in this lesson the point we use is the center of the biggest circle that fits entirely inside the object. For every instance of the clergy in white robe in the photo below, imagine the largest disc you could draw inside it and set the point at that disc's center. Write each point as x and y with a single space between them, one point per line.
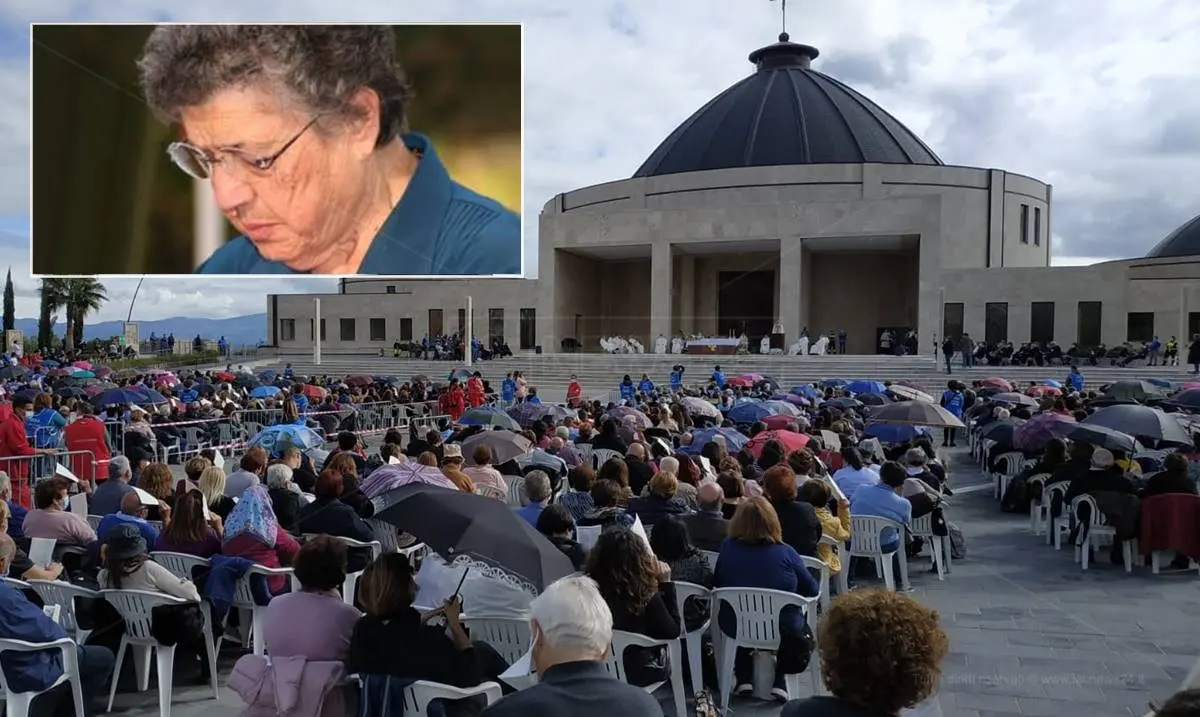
660 344
764 346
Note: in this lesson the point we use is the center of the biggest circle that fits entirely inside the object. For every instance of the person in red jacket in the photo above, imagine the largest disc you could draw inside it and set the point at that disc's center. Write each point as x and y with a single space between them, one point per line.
14 444
475 395
87 433
453 401
574 392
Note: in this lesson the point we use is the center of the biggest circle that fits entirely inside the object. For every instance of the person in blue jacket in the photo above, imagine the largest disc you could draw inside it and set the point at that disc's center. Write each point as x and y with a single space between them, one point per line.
189 393
1075 379
300 398
646 386
953 399
288 373
677 377
508 389
717 377
627 389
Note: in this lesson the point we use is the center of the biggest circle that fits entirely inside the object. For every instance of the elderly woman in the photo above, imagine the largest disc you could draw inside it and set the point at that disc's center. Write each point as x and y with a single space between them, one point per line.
308 126
661 500
252 532
801 527
285 501
578 500
907 645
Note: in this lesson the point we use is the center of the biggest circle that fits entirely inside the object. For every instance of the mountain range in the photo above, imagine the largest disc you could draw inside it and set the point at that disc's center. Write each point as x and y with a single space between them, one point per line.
238 330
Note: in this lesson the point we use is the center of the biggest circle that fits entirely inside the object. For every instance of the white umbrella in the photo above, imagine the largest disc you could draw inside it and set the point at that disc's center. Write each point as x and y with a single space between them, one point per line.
910 393
699 407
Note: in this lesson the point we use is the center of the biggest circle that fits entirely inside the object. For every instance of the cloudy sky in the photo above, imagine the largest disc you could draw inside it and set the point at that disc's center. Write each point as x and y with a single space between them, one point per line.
1095 97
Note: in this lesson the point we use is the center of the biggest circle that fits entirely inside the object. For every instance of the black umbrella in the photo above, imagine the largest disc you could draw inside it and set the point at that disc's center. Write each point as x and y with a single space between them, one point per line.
454 524
843 403
1141 422
1001 431
1100 436
874 399
1188 400
10 372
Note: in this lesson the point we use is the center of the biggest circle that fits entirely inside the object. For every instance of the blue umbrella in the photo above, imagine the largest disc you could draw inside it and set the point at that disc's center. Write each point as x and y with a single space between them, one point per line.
1051 382
269 375
148 396
866 386
734 440
834 382
895 432
874 399
1161 382
805 390
51 363
276 438
119 397
749 411
265 392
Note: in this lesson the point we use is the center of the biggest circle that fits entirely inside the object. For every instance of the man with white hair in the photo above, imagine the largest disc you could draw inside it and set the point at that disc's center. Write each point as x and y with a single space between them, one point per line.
537 491
572 634
106 499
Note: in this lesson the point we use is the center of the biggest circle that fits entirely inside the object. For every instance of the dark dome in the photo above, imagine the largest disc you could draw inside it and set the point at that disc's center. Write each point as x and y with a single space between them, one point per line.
1184 241
786 113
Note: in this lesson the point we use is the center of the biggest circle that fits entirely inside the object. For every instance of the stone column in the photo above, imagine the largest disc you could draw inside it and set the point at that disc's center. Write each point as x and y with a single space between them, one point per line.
791 290
687 295
660 291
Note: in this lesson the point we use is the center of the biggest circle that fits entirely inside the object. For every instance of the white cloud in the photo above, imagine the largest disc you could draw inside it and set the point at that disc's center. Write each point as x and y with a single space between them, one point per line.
1093 97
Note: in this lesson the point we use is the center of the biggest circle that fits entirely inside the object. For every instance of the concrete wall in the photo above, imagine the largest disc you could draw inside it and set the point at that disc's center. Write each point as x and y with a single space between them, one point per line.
860 293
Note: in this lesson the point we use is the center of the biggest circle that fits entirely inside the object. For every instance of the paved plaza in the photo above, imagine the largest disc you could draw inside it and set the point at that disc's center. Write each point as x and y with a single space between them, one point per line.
1030 633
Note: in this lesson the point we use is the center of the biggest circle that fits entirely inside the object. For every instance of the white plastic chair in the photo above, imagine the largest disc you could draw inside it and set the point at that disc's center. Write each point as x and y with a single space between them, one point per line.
63 594
600 456
386 533
584 450
836 546
136 608
1036 482
415 553
510 636
939 545
491 491
692 640
516 491
756 611
16 704
416 697
1055 528
866 542
94 521
350 584
243 599
822 568
181 565
1096 529
1010 463
615 664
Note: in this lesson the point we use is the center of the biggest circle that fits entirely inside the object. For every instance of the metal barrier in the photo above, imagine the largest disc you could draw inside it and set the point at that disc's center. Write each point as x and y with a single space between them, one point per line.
27 471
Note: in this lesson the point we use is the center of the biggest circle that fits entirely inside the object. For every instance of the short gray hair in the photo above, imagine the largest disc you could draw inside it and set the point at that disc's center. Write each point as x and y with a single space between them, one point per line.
278 475
573 617
536 486
670 464
319 67
118 468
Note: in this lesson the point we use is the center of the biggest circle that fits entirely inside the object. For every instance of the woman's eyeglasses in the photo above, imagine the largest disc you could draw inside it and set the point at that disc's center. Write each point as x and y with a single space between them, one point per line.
199 164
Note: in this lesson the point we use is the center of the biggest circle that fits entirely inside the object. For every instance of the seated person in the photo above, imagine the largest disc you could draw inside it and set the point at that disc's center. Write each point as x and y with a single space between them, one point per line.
907 645
51 520
393 638
556 524
572 633
882 500
1173 478
132 513
35 671
252 532
189 532
328 514
20 566
106 499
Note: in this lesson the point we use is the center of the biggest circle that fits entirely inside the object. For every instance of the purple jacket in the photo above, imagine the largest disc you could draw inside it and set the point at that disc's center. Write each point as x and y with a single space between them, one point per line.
290 685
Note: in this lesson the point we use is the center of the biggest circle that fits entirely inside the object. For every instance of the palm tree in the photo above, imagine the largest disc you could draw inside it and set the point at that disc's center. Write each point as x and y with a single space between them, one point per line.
80 297
52 299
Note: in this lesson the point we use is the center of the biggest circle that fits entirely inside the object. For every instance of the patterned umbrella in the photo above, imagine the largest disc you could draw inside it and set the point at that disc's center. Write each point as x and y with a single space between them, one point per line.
387 477
489 416
527 414
1034 434
699 407
791 441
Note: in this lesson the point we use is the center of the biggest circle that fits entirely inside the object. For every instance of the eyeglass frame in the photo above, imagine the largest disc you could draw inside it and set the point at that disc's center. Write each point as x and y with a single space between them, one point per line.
260 164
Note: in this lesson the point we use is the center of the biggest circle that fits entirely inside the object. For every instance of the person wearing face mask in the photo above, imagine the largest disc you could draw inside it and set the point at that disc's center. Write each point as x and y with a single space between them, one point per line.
572 632
51 519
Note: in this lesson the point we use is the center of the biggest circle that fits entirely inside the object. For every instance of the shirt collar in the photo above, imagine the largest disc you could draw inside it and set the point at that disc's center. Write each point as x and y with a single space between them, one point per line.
567 670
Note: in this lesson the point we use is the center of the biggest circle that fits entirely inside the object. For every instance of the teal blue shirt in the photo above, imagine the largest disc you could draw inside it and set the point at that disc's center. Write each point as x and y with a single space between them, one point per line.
438 227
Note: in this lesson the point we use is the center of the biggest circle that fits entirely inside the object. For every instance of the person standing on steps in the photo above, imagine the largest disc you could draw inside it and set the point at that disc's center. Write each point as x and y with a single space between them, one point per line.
952 401
948 353
1075 379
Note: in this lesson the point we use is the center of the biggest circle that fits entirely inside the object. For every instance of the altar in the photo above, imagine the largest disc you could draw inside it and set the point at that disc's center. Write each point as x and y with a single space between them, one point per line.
717 346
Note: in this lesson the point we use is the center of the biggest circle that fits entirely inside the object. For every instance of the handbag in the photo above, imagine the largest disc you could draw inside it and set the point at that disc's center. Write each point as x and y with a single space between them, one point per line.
177 623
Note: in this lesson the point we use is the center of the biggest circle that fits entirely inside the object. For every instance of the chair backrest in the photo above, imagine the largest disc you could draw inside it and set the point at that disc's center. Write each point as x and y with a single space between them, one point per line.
622 640
66 647
585 453
181 565
136 609
94 521
1011 460
834 545
600 456
386 533
415 552
376 546
15 583
587 535
822 569
510 636
63 594
243 593
516 491
419 694
685 591
1093 514
923 526
711 556
1038 479
866 534
757 613
194 435
490 491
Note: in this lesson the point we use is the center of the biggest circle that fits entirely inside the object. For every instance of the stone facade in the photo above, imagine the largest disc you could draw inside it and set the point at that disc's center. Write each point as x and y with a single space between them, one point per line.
849 246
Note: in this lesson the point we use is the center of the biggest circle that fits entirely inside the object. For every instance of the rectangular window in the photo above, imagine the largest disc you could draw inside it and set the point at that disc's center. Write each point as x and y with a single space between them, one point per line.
311 333
528 328
1091 316
1193 327
378 328
1037 226
287 329
1041 322
462 322
323 337
995 322
1139 326
391 289
495 325
346 329
1024 223
952 321
406 329
435 322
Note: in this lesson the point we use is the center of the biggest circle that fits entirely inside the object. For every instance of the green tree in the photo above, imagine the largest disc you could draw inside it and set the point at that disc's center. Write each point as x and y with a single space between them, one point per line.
10 303
52 299
80 298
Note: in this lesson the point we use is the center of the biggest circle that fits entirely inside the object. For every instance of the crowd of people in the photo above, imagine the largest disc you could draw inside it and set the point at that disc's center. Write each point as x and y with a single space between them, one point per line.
725 484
